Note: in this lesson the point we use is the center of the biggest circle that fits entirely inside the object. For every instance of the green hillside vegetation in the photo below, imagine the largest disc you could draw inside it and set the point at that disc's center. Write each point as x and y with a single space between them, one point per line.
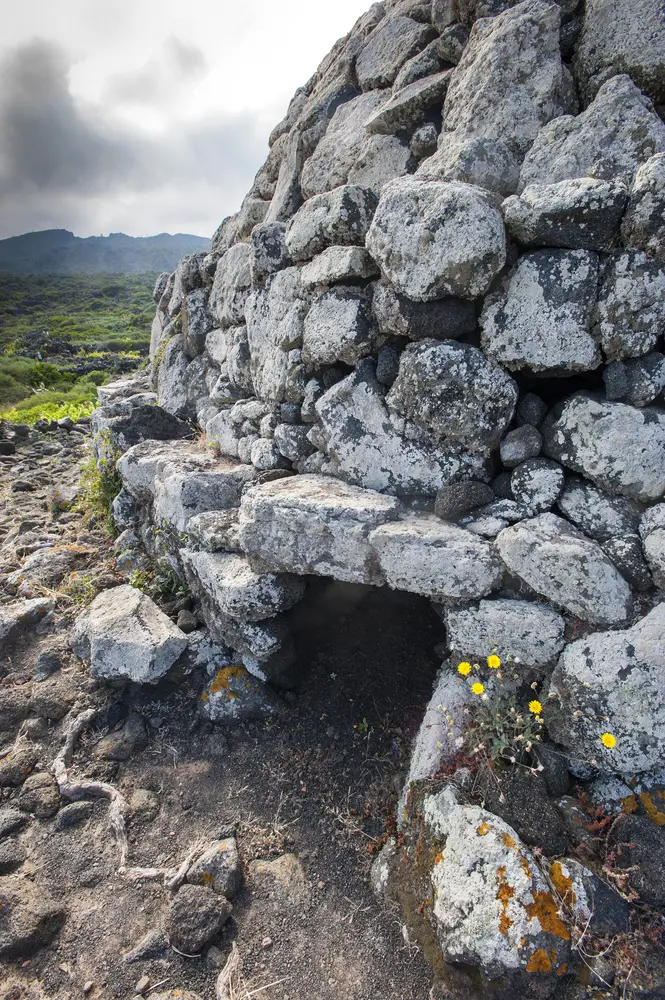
97 326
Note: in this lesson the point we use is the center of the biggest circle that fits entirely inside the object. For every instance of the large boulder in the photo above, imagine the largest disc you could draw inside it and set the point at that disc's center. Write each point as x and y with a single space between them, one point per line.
339 264
509 82
643 226
453 394
580 214
335 218
231 286
313 524
124 635
367 445
443 319
171 378
611 683
338 327
596 513
609 141
275 314
388 48
381 159
181 494
433 239
407 107
567 568
539 318
622 36
630 311
619 448
493 909
522 633
330 163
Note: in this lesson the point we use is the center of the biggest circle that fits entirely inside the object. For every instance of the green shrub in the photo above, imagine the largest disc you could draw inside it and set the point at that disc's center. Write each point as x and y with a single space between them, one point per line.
100 485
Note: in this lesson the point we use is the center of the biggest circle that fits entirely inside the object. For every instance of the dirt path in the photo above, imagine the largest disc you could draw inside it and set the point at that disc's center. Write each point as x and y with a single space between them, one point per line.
309 794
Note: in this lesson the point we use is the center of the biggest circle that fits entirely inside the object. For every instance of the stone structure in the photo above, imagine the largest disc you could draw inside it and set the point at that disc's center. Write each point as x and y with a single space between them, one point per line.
426 354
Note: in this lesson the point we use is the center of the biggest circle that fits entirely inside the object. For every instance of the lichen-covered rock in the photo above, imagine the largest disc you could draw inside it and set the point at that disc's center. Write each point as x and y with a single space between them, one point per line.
123 634
329 165
596 513
338 327
424 555
519 445
407 107
367 445
616 134
567 568
275 314
459 497
611 683
638 381
268 246
643 226
453 394
313 524
630 312
652 533
388 48
626 553
443 319
233 587
580 214
18 617
196 322
339 217
231 286
493 908
622 36
539 318
338 264
218 867
197 916
381 159
522 632
433 239
537 483
182 493
509 82
142 464
618 447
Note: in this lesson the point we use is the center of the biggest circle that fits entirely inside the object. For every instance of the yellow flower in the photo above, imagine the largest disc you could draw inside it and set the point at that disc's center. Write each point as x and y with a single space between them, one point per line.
535 707
494 662
464 669
608 740
477 688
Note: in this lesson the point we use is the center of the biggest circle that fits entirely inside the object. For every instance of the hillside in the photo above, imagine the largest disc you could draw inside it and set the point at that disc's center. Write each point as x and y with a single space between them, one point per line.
57 251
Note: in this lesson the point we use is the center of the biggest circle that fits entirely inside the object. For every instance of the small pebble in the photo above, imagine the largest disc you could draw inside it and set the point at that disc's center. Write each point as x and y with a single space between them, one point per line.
266 943
142 985
88 986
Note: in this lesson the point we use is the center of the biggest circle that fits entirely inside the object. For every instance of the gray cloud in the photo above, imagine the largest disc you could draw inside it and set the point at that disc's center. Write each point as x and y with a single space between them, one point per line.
63 163
161 77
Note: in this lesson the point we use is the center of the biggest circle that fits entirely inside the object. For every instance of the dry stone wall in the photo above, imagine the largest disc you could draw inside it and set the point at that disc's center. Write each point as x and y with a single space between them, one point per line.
427 353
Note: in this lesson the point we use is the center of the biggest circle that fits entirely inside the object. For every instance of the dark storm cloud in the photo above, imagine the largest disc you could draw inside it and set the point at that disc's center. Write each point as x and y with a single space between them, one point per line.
61 161
158 82
46 141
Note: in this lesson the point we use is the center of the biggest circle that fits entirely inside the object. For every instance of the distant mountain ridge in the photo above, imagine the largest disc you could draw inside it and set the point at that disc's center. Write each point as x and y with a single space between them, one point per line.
57 251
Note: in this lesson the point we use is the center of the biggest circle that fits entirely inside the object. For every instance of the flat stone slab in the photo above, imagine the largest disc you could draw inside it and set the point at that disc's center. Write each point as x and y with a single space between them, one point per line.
315 524
530 634
424 555
233 587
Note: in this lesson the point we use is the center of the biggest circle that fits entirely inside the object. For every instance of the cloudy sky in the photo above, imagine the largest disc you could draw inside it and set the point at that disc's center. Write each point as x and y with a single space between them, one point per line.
147 116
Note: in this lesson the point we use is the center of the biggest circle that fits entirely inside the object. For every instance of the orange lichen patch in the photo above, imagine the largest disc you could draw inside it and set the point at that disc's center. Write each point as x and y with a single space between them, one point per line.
563 884
483 829
508 841
224 678
204 696
544 910
525 865
523 942
651 809
629 804
504 894
540 961
208 879
563 968
438 858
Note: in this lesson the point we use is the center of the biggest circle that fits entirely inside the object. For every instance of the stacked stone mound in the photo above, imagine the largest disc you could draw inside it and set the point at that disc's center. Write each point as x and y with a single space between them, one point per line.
427 353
